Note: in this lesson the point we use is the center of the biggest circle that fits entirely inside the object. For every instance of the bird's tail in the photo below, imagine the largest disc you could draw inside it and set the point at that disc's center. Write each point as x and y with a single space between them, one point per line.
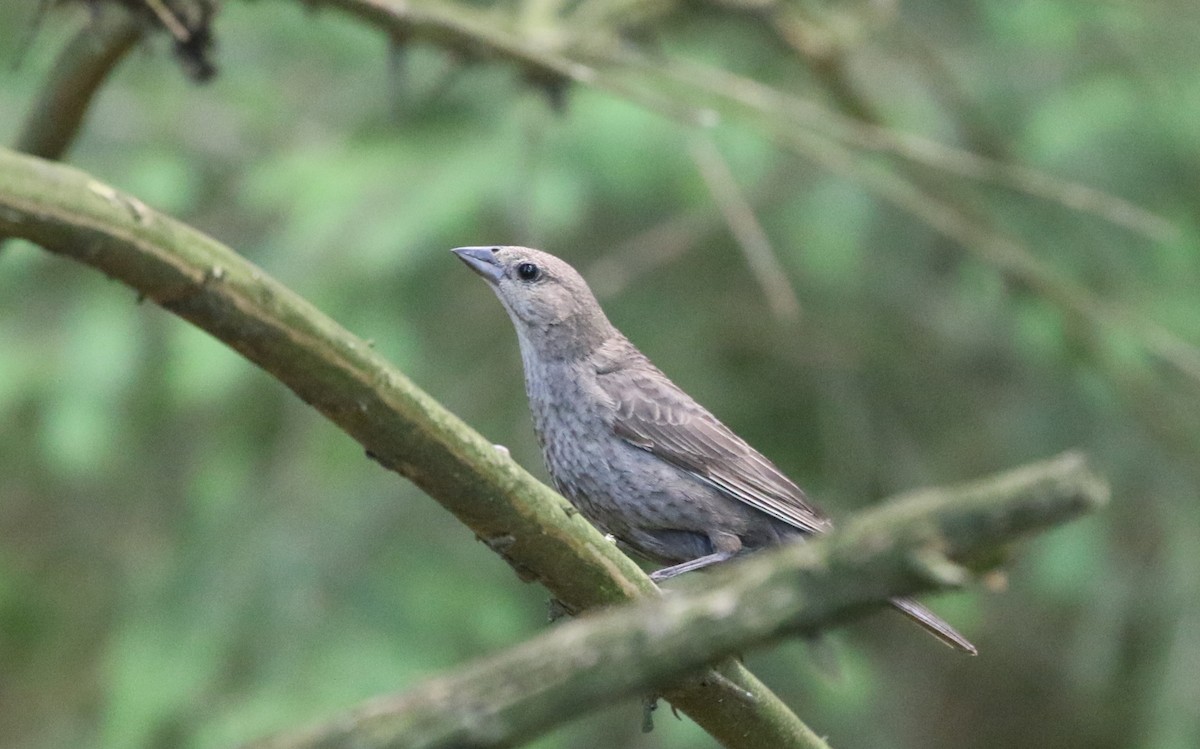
930 622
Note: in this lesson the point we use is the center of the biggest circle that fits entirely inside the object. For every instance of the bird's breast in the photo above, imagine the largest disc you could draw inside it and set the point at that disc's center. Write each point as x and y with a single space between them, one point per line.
572 420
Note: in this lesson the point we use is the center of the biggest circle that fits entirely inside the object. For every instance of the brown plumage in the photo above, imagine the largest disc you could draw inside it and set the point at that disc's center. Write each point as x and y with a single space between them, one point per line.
638 456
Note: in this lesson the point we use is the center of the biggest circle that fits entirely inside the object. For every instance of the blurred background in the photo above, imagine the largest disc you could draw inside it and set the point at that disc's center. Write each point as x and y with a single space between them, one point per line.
191 557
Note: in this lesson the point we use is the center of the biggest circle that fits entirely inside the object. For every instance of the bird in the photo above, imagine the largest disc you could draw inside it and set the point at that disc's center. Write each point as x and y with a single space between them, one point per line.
634 453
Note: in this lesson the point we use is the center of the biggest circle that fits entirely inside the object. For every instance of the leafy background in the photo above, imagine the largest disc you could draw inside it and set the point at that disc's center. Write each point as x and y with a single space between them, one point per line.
190 557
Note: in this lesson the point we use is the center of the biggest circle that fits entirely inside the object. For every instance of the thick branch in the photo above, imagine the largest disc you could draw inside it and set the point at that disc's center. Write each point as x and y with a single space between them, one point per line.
537 532
897 550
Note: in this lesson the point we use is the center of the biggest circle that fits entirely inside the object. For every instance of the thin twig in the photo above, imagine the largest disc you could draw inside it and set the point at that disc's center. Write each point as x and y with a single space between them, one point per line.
608 67
746 230
787 112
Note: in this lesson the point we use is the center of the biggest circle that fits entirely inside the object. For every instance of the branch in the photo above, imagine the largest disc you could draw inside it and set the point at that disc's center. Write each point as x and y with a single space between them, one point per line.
795 122
898 549
533 528
746 230
77 75
698 95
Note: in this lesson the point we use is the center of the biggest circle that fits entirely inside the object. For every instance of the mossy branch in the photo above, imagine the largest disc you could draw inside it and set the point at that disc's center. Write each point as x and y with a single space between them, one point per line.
901 548
533 528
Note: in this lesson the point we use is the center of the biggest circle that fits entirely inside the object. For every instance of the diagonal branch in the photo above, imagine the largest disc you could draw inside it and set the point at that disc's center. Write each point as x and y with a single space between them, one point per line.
898 549
536 531
746 230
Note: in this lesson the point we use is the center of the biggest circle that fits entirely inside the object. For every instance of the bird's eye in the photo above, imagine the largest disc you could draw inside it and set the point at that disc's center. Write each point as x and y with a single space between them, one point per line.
528 272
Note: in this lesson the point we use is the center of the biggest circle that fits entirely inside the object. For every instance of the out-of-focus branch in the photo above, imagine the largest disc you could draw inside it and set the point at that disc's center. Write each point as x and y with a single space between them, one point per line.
785 114
533 528
896 550
747 231
1012 258
641 254
77 75
699 95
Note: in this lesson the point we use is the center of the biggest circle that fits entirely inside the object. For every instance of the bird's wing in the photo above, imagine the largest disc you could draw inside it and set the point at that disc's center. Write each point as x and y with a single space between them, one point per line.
654 415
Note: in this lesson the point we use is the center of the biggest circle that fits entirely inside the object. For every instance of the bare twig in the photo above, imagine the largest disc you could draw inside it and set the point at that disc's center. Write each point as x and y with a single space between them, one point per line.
786 112
661 244
746 230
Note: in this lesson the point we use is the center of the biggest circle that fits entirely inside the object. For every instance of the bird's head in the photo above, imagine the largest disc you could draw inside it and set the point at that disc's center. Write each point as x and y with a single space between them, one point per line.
549 302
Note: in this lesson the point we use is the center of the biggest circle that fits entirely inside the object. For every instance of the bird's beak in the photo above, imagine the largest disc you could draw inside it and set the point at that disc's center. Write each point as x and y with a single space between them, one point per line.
481 260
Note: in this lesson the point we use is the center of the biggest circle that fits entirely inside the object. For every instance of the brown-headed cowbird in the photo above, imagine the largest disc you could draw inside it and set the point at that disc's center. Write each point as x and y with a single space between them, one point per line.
638 457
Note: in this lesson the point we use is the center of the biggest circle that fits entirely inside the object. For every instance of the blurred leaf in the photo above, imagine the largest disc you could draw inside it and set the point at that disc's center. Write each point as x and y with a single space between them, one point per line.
1079 120
94 369
1065 566
831 228
200 370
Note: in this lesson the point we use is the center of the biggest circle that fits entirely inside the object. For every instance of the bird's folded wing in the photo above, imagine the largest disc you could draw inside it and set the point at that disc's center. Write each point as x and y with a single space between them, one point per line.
654 415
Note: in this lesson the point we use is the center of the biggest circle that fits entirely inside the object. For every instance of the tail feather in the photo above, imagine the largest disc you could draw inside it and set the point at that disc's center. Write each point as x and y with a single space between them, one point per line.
932 624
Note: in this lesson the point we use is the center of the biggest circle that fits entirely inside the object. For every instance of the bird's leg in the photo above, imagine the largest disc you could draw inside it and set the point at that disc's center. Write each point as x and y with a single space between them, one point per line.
555 610
666 573
725 545
649 705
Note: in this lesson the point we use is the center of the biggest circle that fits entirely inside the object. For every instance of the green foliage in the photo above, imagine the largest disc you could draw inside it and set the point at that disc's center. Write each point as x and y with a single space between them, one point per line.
190 557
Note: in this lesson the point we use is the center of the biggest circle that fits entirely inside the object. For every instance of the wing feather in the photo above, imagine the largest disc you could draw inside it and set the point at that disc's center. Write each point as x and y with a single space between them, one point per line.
654 415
